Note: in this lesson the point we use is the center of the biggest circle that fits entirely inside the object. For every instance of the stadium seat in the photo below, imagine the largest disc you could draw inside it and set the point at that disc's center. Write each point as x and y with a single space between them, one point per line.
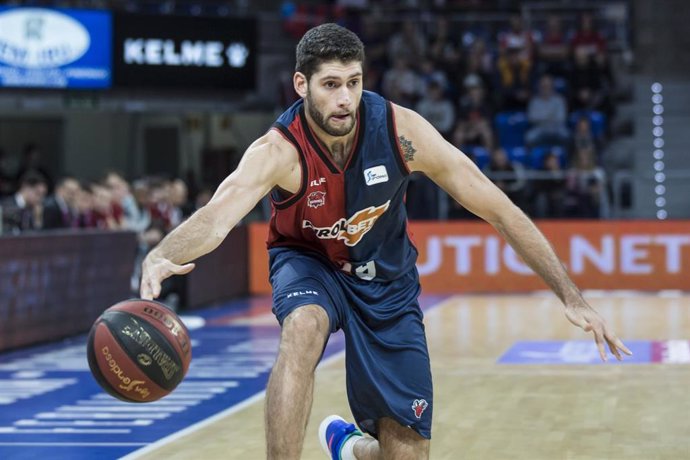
479 154
511 128
518 155
536 157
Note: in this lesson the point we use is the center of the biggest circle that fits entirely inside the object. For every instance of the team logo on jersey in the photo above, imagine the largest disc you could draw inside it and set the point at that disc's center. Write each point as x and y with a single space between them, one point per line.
419 406
316 199
350 230
376 175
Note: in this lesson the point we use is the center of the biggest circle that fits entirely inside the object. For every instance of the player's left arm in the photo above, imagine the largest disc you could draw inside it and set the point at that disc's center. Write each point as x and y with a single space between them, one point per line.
426 151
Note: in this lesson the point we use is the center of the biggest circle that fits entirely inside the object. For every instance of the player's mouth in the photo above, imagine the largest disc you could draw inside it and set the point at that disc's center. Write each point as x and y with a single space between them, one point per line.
342 117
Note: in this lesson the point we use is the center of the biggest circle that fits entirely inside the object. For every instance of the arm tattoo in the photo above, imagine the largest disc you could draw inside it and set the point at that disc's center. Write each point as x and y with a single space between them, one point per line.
407 148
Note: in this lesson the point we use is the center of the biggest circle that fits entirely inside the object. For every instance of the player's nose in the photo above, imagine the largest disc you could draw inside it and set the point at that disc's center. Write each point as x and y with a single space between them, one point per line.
344 98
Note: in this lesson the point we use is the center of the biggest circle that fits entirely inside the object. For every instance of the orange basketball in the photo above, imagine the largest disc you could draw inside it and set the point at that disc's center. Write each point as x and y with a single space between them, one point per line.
139 350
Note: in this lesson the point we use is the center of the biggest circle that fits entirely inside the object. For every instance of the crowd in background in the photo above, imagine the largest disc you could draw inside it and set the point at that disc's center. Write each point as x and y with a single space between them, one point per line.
31 200
532 105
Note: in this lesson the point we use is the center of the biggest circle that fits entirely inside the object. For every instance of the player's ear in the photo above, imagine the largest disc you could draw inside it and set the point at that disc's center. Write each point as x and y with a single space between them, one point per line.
299 80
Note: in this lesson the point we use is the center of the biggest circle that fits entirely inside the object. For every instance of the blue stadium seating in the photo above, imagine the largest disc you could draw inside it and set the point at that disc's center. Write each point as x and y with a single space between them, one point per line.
518 155
479 154
536 157
511 128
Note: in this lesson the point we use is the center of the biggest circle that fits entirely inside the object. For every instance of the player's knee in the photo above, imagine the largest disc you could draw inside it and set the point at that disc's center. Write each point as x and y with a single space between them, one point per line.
305 331
401 442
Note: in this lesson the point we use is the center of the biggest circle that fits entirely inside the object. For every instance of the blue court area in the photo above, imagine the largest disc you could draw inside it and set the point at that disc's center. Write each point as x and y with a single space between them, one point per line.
51 407
586 352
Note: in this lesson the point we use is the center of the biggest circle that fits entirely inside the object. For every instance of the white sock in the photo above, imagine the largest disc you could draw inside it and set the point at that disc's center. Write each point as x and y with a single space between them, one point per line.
347 452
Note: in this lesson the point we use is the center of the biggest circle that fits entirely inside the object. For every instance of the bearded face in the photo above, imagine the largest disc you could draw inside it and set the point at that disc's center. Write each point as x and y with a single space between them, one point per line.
332 96
336 124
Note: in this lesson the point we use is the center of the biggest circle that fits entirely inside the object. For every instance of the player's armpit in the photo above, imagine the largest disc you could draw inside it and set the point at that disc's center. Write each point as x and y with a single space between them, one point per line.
268 162
426 151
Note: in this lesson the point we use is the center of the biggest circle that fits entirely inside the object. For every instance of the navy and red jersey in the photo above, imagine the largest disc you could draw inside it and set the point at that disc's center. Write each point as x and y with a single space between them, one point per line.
353 216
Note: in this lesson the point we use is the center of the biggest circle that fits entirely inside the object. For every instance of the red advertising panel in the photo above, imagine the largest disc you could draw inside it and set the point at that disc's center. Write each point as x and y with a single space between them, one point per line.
472 257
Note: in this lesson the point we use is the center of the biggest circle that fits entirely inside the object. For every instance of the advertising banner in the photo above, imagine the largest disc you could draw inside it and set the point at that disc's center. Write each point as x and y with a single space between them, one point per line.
472 257
55 284
55 48
185 52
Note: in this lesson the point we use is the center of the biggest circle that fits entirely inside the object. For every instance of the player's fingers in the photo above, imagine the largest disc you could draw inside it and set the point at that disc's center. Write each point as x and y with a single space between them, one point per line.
155 289
145 290
598 338
618 343
182 269
613 348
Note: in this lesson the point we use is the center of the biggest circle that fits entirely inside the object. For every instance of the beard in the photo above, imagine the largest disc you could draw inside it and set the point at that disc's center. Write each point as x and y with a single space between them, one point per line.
321 121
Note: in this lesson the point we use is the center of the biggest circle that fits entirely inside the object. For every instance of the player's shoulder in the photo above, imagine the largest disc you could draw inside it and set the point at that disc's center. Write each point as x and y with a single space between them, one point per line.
408 121
274 145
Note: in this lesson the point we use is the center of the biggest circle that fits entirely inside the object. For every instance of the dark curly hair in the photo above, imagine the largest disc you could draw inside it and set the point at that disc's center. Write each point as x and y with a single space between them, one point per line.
327 42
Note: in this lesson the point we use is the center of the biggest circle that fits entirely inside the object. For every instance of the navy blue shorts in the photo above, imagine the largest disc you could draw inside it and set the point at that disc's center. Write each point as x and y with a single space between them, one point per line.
386 356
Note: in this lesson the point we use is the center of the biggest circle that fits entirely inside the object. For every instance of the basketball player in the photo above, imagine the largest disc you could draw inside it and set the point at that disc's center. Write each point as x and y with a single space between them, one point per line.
336 165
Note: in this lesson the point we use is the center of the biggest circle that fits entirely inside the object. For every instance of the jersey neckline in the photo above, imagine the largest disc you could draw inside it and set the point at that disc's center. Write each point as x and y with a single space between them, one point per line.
322 151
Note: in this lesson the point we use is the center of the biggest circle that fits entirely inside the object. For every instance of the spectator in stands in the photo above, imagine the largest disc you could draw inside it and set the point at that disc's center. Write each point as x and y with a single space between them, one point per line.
514 80
549 192
437 109
408 43
518 39
23 211
84 200
123 199
105 213
585 186
480 62
31 161
203 197
429 72
587 39
178 197
6 180
445 47
149 233
401 84
60 209
547 112
554 48
376 59
583 137
586 82
507 175
473 126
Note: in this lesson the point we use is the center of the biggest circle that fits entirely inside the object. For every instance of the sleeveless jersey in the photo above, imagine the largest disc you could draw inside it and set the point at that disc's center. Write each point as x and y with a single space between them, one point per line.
355 216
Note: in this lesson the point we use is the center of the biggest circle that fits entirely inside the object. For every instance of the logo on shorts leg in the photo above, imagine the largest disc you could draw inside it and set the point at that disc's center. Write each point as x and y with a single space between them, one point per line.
419 406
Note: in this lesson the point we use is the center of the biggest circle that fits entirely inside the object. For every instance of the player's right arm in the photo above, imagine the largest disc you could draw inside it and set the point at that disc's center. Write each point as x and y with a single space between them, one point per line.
268 162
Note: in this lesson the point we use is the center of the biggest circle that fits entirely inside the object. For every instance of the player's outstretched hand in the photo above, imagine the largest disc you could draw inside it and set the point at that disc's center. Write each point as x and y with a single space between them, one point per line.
154 270
584 316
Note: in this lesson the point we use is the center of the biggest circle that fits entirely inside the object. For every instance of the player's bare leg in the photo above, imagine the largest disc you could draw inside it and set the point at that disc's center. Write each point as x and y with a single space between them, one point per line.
395 442
291 385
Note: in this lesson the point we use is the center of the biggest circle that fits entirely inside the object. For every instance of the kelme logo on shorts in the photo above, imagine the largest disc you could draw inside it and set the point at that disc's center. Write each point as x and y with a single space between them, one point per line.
353 229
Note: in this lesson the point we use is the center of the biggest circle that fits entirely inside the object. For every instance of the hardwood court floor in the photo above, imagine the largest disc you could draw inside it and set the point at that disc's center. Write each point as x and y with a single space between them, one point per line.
484 410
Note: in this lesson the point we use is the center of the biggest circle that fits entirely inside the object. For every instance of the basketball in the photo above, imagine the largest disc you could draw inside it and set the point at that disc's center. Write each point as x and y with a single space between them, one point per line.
138 350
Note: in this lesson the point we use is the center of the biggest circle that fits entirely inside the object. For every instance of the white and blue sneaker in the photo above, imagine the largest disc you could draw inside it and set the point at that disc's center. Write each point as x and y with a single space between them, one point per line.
334 432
